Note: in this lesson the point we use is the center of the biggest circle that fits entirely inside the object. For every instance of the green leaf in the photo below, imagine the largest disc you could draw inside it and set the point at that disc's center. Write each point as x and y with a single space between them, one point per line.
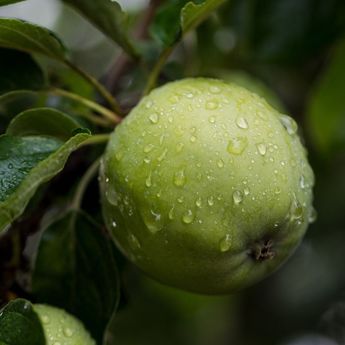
9 2
20 325
326 110
19 72
177 17
108 17
26 163
21 35
261 34
84 280
166 28
193 14
43 121
20 155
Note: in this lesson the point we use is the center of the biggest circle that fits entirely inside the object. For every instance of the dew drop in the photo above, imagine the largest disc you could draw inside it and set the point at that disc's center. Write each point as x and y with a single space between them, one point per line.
211 119
289 124
154 222
134 242
277 190
174 99
147 160
113 224
45 319
163 155
180 199
215 89
241 122
262 149
246 191
262 115
296 211
188 217
237 196
180 178
237 145
148 148
193 138
171 213
210 201
225 243
198 202
302 183
148 181
220 163
148 104
212 105
154 118
67 332
312 215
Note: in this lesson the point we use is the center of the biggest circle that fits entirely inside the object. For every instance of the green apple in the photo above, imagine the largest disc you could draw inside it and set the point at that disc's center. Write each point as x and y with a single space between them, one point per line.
61 328
206 187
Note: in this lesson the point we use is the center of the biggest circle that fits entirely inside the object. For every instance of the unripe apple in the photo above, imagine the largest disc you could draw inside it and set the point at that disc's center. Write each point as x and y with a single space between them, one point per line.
206 187
62 328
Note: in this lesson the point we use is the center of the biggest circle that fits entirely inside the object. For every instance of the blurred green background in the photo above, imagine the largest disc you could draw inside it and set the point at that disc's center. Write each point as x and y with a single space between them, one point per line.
293 53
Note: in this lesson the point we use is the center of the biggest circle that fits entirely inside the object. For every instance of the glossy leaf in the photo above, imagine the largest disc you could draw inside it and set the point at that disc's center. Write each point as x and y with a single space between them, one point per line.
26 163
20 155
19 72
326 113
193 14
20 325
9 2
108 17
166 27
177 17
21 35
84 279
43 121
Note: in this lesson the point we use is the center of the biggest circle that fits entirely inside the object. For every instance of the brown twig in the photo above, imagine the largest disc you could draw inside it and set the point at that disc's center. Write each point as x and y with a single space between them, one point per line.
123 63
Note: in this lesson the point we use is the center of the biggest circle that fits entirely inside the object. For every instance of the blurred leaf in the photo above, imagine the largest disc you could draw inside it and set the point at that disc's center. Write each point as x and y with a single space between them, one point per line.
261 26
43 121
20 325
31 38
326 111
109 18
19 72
69 80
26 163
194 13
84 280
177 17
333 321
13 95
9 2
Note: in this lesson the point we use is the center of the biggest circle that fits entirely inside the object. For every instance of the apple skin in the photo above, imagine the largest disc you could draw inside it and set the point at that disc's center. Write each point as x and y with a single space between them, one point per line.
206 187
62 328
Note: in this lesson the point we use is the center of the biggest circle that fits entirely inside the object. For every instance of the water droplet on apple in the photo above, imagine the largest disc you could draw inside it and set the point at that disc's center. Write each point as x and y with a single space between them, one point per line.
237 145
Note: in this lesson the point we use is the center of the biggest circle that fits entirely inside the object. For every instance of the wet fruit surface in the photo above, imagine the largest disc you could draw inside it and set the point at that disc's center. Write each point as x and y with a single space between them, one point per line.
206 187
61 328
